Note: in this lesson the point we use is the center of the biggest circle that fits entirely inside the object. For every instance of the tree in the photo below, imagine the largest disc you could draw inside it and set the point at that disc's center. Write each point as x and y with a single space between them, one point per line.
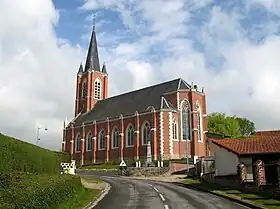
220 123
246 126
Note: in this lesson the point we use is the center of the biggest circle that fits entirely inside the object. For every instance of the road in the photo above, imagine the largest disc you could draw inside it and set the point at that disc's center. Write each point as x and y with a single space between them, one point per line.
129 193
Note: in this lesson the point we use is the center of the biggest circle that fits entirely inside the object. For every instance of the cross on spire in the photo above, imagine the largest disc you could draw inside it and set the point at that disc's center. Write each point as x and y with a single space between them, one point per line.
93 20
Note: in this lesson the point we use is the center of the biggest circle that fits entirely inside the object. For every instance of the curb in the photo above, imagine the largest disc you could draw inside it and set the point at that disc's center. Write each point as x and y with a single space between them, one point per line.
247 204
101 195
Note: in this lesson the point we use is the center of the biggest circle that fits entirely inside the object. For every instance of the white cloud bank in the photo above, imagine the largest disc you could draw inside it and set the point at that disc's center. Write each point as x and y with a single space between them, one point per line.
38 69
37 72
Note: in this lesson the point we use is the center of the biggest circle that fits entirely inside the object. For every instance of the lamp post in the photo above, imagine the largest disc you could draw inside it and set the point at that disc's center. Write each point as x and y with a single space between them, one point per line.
38 133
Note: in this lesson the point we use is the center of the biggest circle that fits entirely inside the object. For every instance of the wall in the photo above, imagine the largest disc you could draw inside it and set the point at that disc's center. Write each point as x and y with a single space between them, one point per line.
225 162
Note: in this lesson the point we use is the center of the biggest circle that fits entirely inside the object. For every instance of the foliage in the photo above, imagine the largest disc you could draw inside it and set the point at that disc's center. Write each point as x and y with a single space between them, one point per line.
233 126
17 155
23 190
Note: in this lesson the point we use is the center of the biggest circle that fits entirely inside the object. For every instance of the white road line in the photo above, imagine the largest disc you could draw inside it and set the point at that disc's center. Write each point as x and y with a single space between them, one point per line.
166 207
156 189
162 197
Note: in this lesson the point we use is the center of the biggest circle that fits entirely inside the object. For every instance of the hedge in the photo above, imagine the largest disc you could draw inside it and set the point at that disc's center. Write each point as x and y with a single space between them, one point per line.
44 191
16 155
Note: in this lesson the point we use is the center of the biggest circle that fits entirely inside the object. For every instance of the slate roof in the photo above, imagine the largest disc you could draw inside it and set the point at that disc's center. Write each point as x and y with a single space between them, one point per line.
128 103
264 144
92 61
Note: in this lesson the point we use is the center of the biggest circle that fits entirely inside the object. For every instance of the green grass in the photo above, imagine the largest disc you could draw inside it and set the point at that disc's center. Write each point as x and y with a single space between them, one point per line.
258 199
80 199
92 180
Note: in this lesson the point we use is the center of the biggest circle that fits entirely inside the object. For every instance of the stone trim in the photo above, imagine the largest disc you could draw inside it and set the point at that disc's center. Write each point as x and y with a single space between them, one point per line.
161 133
170 134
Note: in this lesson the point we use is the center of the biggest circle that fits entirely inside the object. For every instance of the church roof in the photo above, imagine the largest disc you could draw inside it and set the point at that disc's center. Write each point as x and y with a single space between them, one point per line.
128 103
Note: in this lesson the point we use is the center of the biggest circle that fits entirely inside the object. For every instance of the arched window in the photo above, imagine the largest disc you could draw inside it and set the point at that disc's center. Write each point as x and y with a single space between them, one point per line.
78 143
84 90
130 136
146 133
199 123
89 142
174 129
115 138
97 89
186 124
101 140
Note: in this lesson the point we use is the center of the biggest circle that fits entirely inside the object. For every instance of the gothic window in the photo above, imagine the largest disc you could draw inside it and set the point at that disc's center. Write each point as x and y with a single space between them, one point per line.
84 90
199 123
174 129
129 136
101 140
97 89
78 143
89 142
186 125
115 138
146 133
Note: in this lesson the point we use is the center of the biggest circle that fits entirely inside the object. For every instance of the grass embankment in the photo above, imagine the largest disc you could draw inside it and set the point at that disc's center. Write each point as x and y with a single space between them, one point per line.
258 199
30 178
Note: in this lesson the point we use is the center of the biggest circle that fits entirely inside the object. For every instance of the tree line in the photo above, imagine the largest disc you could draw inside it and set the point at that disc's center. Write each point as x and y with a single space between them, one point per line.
231 126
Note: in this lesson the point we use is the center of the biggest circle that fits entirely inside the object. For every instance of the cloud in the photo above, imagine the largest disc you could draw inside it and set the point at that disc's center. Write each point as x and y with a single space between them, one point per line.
221 47
37 70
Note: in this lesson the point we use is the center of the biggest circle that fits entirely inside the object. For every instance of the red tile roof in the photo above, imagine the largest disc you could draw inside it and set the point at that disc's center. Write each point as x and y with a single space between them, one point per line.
268 133
255 145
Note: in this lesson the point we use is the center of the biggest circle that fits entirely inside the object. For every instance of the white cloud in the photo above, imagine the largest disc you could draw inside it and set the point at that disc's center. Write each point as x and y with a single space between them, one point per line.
245 80
37 71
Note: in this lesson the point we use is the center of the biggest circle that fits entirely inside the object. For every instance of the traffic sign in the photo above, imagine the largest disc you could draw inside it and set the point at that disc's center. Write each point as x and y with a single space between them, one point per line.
122 164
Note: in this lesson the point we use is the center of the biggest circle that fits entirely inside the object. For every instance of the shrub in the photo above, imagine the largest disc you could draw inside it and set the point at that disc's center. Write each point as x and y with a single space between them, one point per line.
17 155
37 190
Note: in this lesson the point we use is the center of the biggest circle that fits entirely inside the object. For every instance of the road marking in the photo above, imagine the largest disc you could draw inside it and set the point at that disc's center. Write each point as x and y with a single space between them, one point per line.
166 207
156 189
162 197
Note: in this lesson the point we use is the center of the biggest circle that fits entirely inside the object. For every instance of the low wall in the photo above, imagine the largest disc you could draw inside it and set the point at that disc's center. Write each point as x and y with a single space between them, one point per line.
149 171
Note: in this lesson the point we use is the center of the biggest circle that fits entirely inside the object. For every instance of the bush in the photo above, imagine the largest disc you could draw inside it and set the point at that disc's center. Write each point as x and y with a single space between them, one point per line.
22 190
17 155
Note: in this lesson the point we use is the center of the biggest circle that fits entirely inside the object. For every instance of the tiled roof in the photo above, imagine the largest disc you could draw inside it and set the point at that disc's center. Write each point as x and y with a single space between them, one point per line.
268 133
258 144
128 103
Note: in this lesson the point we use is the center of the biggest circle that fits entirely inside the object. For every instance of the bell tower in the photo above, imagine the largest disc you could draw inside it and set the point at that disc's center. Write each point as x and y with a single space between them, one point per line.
92 81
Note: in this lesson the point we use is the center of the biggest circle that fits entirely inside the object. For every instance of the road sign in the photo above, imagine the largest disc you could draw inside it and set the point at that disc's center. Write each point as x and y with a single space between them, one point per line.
122 164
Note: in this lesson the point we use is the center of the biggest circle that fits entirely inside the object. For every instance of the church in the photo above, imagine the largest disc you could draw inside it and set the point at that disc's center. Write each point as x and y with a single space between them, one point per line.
168 117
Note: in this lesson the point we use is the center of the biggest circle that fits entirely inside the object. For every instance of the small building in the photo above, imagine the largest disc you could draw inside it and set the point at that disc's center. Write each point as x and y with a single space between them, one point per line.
264 146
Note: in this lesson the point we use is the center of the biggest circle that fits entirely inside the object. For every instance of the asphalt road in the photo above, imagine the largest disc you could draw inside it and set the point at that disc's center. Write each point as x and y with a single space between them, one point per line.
128 193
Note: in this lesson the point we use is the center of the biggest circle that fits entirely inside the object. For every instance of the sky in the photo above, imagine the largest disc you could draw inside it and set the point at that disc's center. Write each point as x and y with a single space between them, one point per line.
230 47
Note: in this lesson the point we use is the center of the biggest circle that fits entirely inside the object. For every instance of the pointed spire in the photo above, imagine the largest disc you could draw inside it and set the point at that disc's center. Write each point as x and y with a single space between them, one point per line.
81 69
92 62
104 70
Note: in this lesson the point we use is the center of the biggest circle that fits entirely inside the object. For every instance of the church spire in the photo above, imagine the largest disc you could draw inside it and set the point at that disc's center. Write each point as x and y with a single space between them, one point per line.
92 62
104 70
81 69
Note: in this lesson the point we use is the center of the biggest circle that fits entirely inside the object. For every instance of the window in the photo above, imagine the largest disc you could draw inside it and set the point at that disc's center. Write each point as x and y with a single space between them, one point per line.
78 143
174 129
101 139
89 142
199 123
97 89
84 90
186 125
129 136
146 133
115 138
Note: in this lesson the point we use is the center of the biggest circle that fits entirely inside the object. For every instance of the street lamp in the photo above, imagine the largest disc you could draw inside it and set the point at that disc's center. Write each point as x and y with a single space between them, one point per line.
38 133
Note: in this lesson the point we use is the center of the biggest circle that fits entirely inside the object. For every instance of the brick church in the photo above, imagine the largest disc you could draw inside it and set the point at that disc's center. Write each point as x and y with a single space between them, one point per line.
170 117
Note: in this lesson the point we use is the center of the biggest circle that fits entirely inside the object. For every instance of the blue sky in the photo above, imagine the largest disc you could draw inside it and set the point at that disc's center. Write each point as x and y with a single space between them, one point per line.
230 47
